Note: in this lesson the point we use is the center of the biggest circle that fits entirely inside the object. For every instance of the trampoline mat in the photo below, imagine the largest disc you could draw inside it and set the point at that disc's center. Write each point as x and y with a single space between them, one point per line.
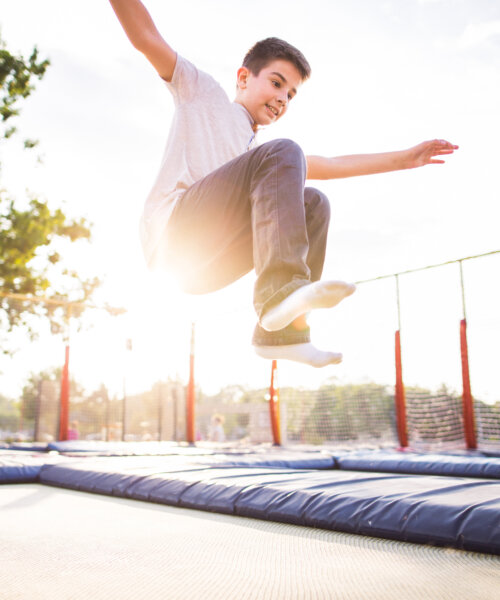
59 544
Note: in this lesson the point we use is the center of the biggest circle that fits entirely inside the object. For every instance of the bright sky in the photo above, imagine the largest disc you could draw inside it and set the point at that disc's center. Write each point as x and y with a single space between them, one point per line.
386 75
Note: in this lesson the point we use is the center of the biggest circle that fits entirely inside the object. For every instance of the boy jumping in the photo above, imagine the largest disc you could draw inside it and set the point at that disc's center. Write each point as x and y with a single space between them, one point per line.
222 206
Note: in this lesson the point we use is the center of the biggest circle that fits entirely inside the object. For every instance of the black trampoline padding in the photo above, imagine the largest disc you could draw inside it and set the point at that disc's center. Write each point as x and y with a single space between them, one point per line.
451 511
424 464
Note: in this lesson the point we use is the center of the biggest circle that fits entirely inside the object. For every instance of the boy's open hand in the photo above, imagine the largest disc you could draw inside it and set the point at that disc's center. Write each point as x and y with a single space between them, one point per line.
425 153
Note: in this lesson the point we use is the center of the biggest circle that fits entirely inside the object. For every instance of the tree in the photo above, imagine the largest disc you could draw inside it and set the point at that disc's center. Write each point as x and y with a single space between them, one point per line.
33 238
16 83
9 414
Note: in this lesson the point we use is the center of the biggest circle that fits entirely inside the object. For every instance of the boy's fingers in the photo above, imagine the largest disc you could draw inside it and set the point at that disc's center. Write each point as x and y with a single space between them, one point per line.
446 143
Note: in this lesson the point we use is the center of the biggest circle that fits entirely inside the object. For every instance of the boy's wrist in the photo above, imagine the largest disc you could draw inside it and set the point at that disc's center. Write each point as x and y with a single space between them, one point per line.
405 159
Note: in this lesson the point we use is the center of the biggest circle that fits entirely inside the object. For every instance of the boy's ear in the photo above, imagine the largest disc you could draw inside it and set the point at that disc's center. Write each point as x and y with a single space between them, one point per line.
242 77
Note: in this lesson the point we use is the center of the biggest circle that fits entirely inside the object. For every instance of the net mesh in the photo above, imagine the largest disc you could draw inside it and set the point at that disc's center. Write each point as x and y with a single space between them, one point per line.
434 420
242 416
46 426
487 425
352 415
158 414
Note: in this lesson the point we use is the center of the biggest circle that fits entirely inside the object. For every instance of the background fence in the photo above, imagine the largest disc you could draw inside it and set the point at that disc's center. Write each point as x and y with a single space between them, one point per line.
430 309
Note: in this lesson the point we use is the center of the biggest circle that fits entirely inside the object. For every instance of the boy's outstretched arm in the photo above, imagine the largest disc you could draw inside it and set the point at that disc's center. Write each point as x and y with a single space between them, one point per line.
142 32
321 167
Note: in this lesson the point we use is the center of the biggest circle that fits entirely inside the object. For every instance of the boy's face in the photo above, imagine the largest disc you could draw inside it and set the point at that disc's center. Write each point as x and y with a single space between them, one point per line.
266 96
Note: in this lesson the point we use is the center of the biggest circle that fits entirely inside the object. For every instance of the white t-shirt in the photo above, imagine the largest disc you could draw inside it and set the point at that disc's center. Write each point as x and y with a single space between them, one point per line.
207 131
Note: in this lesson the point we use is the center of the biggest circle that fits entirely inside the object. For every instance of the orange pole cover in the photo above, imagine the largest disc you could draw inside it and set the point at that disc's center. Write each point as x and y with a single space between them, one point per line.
64 407
467 400
190 396
400 397
274 405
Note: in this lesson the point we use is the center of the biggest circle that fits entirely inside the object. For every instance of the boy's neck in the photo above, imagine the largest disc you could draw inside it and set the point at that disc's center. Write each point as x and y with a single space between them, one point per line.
253 124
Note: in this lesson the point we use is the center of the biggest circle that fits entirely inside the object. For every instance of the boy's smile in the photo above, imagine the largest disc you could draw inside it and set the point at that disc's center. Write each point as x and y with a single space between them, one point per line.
266 95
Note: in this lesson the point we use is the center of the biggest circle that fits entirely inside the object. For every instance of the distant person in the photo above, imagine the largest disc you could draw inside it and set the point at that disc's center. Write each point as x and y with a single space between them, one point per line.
114 432
216 430
223 205
73 433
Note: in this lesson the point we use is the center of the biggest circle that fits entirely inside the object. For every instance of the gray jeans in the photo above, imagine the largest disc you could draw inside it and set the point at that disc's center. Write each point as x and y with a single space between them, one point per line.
253 212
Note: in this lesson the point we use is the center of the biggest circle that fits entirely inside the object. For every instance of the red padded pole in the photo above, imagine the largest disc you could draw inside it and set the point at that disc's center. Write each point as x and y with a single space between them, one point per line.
64 402
190 396
274 405
21 416
467 400
400 399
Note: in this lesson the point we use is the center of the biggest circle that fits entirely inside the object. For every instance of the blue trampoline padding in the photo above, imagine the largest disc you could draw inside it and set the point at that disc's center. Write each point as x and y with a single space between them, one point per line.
123 448
450 511
16 471
18 467
29 446
141 448
425 464
281 459
111 475
259 457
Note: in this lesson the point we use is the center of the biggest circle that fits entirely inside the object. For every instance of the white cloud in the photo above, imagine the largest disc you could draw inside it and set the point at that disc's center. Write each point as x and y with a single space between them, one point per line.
478 33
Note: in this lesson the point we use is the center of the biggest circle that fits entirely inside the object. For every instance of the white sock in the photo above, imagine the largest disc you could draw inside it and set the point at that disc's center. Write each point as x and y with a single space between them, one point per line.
319 294
303 353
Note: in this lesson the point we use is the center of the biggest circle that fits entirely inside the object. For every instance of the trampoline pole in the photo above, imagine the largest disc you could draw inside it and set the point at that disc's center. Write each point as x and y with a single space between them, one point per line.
190 397
400 399
36 433
127 366
274 405
160 414
124 409
21 416
467 400
64 409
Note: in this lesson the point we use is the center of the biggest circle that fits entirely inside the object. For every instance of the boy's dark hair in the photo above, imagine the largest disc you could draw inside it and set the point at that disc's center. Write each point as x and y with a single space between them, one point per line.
265 51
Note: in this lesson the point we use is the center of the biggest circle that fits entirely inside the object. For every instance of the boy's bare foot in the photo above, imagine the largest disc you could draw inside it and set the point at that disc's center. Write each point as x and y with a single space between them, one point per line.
319 294
303 353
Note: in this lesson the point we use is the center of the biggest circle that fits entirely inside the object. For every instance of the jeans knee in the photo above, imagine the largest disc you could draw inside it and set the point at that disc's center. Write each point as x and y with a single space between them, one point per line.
318 201
289 149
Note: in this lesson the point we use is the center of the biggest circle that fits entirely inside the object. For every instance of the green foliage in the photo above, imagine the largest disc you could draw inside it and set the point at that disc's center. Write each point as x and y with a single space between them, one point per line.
31 390
16 84
338 413
9 414
33 238
31 264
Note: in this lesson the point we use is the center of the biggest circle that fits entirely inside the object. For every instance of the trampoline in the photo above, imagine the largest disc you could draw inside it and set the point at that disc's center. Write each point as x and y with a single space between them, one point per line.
274 523
65 544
